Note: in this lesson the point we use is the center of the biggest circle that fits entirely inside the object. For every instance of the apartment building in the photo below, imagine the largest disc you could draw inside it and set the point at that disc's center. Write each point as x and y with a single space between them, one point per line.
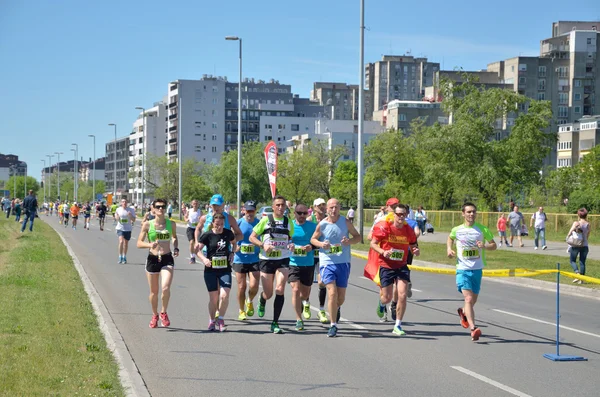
117 160
397 114
402 77
340 100
86 170
10 165
576 139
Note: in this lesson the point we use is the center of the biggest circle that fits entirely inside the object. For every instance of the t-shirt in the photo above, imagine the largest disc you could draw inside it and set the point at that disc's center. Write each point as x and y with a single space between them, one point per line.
123 219
193 217
248 252
501 224
301 237
468 255
102 210
87 210
278 240
74 210
217 249
396 239
350 213
113 208
515 218
540 220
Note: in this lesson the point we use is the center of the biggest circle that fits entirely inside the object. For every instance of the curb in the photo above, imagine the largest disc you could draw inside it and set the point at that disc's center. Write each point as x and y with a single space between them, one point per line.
129 373
542 285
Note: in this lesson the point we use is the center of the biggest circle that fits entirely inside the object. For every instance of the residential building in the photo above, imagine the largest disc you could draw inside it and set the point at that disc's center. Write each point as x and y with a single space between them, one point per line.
576 139
280 129
117 158
340 100
487 79
401 77
86 170
397 114
10 165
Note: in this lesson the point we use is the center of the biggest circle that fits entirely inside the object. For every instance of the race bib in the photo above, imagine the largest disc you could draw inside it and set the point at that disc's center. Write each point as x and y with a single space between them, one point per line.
316 251
279 242
470 253
336 249
163 235
247 249
124 220
397 255
194 224
299 252
274 253
219 262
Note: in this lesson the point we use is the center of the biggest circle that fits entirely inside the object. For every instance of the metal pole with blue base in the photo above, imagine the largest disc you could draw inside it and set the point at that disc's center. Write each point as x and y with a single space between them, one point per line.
558 356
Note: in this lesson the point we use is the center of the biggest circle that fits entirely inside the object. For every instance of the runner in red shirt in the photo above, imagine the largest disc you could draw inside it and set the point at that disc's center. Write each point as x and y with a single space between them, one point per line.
391 241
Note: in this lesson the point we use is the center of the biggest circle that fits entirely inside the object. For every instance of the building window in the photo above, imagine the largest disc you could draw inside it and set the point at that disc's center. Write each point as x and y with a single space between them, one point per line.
215 100
268 126
214 112
214 149
281 126
541 96
402 117
215 88
295 127
541 71
577 109
577 83
563 111
542 84
214 125
589 40
578 97
214 137
522 80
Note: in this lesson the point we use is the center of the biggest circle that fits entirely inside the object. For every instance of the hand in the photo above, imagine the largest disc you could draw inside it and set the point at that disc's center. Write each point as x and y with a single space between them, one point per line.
326 245
345 241
236 248
231 257
416 251
267 247
480 244
308 248
207 262
176 252
451 254
154 245
291 246
386 254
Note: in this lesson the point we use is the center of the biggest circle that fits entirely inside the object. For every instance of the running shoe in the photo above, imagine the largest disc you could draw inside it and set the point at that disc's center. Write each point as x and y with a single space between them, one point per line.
275 328
544 247
250 309
299 325
261 310
323 317
306 310
221 324
409 291
242 316
120 259
211 325
192 261
398 331
393 311
154 321
463 319
217 315
124 259
332 333
164 319
475 334
380 310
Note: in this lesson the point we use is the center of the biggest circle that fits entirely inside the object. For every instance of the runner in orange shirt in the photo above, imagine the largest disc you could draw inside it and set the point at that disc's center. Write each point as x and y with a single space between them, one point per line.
74 215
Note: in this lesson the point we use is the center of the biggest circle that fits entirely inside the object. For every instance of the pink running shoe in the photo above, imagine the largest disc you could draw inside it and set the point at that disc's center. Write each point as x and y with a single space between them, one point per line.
164 319
154 321
211 325
221 323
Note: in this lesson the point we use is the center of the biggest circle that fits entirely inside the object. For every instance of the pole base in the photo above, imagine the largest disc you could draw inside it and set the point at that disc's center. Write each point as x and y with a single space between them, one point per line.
560 357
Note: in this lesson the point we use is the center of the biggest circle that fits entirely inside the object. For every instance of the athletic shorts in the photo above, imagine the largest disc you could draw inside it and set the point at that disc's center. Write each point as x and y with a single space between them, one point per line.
338 273
515 231
190 233
66 216
74 217
153 266
102 216
469 280
304 274
245 267
86 215
271 266
126 235
387 276
216 279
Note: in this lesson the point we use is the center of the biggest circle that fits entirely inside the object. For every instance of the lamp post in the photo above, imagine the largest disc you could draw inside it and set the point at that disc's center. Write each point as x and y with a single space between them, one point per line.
94 172
74 178
49 167
144 135
359 204
115 163
14 172
44 178
76 172
58 173
179 146
239 137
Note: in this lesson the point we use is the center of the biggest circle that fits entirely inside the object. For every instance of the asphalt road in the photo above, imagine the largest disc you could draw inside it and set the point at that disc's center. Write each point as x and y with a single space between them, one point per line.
435 358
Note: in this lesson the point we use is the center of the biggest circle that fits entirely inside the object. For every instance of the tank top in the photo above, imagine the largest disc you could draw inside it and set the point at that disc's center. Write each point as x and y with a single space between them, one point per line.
334 232
193 217
159 235
585 228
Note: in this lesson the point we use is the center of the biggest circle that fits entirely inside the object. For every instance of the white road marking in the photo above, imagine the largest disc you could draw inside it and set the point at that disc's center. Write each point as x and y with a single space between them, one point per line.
365 278
492 382
346 321
546 322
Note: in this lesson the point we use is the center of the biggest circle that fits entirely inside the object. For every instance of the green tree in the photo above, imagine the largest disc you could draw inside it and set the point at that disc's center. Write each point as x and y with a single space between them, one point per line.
344 183
295 176
22 190
326 165
561 183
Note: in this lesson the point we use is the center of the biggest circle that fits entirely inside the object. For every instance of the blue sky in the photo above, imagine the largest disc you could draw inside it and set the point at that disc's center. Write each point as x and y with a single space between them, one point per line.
68 68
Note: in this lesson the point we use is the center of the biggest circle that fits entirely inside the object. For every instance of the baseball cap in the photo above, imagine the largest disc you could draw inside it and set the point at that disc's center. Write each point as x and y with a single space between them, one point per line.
250 205
392 201
318 201
217 199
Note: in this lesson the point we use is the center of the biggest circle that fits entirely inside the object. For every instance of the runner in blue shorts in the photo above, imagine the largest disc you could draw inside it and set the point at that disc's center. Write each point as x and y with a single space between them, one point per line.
471 238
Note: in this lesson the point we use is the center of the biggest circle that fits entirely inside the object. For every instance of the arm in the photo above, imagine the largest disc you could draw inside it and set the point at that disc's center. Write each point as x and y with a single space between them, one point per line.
314 240
143 233
200 254
374 244
199 226
255 240
531 220
573 226
449 249
174 239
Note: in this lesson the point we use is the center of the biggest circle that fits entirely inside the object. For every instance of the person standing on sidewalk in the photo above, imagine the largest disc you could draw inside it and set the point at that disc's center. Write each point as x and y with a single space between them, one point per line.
540 219
30 206
582 251
501 226
515 220
17 210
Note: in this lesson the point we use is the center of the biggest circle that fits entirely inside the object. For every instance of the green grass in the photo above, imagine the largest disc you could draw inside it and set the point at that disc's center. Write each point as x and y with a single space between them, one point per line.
504 259
50 343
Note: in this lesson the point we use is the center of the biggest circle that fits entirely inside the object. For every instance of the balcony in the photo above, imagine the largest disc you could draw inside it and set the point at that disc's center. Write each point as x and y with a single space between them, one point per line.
173 116
172 104
172 140
171 129
172 152
276 107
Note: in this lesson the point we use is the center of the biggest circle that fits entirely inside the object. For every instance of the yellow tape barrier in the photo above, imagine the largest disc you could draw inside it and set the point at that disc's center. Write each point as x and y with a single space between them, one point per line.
498 272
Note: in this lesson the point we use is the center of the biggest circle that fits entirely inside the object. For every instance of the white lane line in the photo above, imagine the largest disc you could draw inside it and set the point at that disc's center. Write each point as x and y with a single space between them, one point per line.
546 322
365 278
346 321
489 381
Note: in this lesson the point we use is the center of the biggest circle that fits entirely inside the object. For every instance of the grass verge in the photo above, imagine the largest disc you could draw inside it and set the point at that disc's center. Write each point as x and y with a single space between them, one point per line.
50 343
502 259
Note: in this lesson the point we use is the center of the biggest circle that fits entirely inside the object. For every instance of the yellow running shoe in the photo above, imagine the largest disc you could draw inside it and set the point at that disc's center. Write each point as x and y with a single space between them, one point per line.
216 315
242 316
323 317
249 309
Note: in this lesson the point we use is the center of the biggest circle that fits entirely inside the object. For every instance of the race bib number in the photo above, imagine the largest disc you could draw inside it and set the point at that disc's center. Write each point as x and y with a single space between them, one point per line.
194 224
279 242
299 252
163 235
336 249
247 249
397 255
124 220
316 251
471 253
219 262
274 253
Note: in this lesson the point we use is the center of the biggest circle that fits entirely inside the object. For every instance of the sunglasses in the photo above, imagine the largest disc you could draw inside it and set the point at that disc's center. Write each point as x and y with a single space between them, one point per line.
160 207
301 213
400 213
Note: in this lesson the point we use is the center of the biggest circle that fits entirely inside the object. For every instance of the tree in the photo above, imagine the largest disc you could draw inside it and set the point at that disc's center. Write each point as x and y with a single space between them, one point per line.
295 176
344 183
326 163
22 191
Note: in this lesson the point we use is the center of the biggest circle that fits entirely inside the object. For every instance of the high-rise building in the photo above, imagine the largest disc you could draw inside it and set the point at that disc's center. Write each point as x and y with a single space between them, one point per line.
117 155
576 139
340 100
10 165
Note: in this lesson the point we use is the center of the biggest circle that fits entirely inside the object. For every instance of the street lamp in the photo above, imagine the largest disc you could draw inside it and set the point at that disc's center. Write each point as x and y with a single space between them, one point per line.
14 174
76 171
144 135
44 178
115 163
74 178
239 137
359 163
58 173
94 172
50 168
179 139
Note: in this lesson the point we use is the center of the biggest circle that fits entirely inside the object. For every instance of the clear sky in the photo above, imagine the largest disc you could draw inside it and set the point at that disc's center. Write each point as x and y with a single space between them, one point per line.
70 67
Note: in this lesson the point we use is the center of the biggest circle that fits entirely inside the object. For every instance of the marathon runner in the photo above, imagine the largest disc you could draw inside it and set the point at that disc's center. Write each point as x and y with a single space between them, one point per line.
61 216
149 215
74 215
302 265
160 262
392 242
113 210
101 210
66 211
217 271
331 237
245 263
319 213
470 238
274 257
87 213
191 217
125 217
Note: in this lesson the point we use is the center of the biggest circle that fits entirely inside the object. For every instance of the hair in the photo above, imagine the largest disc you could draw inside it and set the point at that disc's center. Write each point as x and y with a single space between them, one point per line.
218 216
279 197
300 204
402 206
31 192
582 213
468 204
159 200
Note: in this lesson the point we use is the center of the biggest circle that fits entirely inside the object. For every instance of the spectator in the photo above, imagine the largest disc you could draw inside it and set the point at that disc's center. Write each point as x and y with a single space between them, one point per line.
17 210
501 226
540 219
379 215
7 206
170 210
583 250
515 220
30 206
351 214
421 218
